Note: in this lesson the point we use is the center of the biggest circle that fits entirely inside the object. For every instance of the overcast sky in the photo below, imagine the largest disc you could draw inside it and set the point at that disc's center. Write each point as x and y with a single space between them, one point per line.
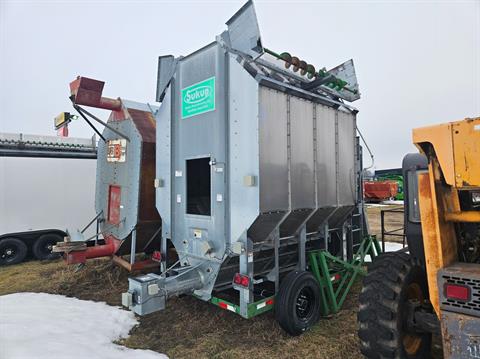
417 62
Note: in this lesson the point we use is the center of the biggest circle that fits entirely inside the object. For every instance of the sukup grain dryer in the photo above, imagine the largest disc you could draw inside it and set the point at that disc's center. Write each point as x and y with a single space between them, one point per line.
258 178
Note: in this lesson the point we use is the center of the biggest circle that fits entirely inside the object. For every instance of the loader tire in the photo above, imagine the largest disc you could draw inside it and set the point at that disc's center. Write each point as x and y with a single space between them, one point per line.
392 279
297 305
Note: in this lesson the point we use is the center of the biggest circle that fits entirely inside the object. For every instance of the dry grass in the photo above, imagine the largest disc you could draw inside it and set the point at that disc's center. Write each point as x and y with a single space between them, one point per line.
190 328
101 280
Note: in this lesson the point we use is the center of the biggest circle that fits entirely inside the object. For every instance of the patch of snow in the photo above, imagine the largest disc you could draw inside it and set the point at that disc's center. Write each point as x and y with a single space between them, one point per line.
375 205
392 246
388 202
384 204
40 325
389 247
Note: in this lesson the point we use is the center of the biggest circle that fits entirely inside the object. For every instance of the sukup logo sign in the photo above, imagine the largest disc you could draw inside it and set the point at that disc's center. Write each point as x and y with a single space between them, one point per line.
197 95
198 98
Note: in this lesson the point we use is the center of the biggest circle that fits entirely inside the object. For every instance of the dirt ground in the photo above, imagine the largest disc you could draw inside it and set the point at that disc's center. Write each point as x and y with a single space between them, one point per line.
392 221
190 328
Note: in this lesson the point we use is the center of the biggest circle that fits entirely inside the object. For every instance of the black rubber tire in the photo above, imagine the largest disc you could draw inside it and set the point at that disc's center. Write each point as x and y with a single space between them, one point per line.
383 300
42 247
293 288
12 251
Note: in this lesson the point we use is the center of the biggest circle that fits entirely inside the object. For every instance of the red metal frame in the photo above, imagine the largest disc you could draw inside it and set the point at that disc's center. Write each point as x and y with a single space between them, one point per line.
114 200
105 250
108 249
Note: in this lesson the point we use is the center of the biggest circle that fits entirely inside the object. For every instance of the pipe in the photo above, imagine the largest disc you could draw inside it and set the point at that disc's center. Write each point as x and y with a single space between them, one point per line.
88 92
105 250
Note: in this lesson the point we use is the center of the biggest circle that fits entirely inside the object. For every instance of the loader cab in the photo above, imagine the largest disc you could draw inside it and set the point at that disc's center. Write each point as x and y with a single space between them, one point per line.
412 164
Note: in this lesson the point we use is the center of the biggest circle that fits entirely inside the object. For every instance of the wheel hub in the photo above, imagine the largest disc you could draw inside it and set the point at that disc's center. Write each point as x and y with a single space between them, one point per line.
412 342
8 253
304 304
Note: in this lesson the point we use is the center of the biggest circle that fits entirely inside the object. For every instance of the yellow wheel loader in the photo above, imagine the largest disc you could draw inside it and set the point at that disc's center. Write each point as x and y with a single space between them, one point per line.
433 287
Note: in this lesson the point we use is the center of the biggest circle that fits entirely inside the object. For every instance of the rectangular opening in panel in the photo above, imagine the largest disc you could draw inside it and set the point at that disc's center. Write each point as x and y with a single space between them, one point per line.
114 200
198 186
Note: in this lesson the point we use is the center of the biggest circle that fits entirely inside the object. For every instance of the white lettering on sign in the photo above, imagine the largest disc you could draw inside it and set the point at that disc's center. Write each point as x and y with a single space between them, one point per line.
197 94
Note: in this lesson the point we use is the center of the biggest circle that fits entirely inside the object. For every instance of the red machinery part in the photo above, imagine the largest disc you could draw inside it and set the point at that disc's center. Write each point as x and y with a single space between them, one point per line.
380 190
88 92
139 123
105 250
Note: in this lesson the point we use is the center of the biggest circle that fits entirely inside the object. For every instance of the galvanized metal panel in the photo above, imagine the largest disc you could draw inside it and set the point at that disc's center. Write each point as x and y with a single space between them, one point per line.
166 68
163 193
273 150
346 158
319 217
326 156
243 31
243 150
194 137
302 162
199 136
124 174
346 72
294 221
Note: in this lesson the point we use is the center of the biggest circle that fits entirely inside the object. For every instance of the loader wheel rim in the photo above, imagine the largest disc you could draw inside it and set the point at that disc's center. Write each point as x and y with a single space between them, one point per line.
411 342
304 304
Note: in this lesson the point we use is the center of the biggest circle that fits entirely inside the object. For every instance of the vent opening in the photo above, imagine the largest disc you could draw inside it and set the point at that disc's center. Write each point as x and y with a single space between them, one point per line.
199 186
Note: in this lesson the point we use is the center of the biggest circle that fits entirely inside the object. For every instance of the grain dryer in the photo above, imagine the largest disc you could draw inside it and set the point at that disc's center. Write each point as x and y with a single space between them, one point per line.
258 172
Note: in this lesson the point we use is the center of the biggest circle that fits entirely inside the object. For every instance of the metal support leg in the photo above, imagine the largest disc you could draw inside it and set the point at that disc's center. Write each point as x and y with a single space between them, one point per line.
302 238
382 226
96 231
246 268
276 269
326 237
133 247
350 240
163 251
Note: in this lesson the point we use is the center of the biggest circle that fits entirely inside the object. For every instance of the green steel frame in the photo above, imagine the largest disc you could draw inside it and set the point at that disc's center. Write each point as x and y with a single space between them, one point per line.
334 275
